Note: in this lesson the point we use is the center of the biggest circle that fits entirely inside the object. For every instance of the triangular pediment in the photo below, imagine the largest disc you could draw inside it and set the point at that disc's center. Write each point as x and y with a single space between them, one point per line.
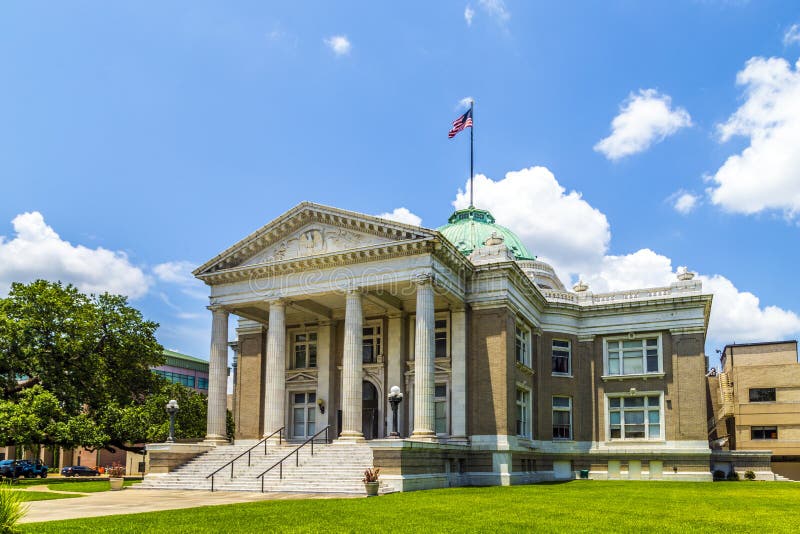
310 230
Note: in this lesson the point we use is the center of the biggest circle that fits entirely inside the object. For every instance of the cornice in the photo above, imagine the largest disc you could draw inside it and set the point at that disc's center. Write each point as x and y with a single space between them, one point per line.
304 213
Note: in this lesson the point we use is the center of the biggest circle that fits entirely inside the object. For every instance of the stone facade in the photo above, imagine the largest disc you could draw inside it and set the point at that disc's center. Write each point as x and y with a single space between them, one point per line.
507 377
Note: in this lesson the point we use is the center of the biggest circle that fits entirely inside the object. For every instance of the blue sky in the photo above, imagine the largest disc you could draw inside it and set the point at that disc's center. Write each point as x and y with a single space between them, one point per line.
143 138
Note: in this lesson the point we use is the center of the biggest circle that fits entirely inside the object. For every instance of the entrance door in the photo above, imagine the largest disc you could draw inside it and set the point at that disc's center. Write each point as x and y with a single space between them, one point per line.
369 411
304 411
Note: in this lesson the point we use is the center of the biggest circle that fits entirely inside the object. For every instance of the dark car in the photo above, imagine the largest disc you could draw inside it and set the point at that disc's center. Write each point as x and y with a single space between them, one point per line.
11 469
78 471
33 469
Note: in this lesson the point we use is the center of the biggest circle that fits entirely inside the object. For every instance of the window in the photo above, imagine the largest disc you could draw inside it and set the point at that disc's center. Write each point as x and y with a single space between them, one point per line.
562 357
305 350
523 413
441 338
304 414
177 378
633 356
371 347
523 346
562 417
764 432
762 395
636 417
440 409
202 383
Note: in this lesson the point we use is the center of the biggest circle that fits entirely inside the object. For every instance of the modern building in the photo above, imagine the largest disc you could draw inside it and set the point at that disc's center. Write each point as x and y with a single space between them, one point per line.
507 376
185 370
755 403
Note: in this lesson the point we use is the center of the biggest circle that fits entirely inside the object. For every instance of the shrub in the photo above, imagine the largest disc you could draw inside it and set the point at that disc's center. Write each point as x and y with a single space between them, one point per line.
749 475
11 509
733 475
719 474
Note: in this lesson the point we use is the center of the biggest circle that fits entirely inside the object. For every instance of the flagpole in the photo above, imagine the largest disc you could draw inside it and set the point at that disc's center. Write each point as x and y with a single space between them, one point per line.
471 153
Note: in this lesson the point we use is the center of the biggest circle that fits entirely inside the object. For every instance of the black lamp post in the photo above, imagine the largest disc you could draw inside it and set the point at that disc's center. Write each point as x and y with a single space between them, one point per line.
172 409
395 398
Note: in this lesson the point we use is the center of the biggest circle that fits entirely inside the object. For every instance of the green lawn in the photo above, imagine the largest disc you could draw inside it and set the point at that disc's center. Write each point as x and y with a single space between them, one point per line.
567 507
44 496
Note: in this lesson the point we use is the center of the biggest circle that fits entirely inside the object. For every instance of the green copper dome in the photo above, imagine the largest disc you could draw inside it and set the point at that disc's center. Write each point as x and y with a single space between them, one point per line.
469 229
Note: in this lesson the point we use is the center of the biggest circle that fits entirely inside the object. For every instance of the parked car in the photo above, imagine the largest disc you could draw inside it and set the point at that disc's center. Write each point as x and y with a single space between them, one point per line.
78 471
33 469
11 469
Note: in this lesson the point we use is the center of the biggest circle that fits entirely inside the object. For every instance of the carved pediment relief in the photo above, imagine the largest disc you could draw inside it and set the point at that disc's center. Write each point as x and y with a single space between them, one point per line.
314 240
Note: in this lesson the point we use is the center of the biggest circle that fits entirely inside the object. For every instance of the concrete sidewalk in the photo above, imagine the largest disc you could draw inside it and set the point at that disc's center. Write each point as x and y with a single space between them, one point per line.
134 501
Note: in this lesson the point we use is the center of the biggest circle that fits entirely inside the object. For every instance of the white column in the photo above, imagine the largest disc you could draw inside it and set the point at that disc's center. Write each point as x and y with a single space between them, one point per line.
217 377
324 335
395 354
458 391
424 351
352 363
274 398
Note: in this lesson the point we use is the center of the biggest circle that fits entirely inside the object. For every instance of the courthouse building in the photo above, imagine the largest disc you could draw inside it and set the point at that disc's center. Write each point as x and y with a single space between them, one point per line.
507 376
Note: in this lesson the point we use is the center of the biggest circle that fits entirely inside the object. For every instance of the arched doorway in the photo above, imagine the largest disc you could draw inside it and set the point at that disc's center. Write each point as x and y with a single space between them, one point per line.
369 410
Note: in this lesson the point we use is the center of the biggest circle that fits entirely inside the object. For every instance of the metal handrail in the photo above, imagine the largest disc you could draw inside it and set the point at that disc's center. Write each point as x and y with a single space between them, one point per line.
296 452
247 452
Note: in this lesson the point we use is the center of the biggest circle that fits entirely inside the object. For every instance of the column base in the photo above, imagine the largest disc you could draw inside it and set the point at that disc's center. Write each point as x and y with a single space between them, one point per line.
350 437
424 435
216 440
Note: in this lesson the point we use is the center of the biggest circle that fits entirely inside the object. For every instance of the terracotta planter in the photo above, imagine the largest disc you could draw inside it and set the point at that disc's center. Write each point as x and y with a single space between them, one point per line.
116 483
372 488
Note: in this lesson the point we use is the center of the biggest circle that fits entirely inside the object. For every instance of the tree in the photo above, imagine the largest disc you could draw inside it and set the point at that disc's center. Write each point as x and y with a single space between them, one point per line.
37 418
88 351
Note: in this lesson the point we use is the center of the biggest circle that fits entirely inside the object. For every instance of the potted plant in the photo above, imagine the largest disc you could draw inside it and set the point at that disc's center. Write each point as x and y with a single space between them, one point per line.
115 477
371 481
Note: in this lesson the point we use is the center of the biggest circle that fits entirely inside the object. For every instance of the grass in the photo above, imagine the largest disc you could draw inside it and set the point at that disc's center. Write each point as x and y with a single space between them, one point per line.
44 496
568 507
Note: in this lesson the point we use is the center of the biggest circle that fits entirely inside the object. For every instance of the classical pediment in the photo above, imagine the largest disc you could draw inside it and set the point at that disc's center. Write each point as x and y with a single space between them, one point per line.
314 240
310 230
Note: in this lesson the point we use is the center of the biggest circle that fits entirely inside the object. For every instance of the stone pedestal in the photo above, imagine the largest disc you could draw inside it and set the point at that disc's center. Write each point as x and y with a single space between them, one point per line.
163 458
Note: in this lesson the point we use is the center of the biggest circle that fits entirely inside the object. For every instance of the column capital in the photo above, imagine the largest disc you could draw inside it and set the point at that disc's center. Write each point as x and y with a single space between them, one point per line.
424 278
217 308
280 301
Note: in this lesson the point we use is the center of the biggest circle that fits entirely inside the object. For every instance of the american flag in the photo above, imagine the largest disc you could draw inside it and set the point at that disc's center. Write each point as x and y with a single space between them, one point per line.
464 121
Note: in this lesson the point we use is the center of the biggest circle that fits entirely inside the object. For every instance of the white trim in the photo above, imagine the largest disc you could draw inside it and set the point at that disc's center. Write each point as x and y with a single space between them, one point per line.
634 337
646 440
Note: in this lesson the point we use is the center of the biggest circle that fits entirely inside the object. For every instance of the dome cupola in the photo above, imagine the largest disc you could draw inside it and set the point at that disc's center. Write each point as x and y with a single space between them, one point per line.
471 228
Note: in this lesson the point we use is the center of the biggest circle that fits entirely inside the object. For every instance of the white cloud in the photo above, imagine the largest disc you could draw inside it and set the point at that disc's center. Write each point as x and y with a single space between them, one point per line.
176 272
560 227
766 174
402 215
643 268
644 119
684 202
468 14
495 9
37 251
792 35
340 44
180 273
464 102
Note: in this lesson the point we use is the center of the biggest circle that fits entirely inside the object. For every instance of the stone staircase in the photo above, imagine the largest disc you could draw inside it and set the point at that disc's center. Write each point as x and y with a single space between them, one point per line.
780 478
334 468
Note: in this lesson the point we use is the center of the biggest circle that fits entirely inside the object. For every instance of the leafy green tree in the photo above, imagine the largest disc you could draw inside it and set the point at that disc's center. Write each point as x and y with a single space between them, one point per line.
86 350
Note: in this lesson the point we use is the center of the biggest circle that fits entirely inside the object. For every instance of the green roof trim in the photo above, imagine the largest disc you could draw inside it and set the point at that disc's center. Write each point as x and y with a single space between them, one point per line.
176 359
469 229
